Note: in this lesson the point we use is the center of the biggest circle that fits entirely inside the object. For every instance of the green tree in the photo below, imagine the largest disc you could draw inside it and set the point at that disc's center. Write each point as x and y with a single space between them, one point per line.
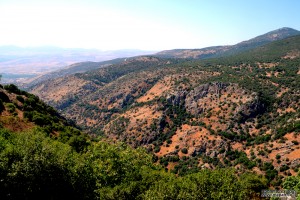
33 166
292 183
11 107
12 88
216 184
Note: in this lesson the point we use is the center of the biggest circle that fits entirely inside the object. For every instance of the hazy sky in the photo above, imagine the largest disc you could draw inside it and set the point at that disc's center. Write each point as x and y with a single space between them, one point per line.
141 24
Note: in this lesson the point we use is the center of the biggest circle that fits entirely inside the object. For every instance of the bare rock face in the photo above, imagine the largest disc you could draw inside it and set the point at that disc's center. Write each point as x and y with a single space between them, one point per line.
116 97
178 98
147 139
250 109
127 100
210 149
199 150
198 93
201 98
295 163
243 103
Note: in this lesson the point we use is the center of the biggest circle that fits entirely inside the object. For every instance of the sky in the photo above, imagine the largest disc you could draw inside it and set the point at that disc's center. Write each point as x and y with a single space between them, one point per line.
141 24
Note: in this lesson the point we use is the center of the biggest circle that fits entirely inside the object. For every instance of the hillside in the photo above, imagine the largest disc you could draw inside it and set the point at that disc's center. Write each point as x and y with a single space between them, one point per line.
21 111
69 70
209 52
240 111
221 51
42 156
74 87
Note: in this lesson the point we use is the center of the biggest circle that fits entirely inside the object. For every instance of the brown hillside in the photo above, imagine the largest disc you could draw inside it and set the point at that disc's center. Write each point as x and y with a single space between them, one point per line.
241 111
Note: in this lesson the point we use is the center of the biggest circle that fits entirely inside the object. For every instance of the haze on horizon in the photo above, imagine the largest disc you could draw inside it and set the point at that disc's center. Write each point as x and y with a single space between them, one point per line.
145 24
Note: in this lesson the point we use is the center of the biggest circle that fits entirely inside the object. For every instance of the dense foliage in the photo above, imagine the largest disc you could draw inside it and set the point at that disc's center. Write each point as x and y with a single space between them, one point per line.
292 183
32 165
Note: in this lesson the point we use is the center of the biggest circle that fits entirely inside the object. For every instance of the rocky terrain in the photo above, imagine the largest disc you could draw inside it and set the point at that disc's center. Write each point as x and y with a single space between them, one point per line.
42 156
240 110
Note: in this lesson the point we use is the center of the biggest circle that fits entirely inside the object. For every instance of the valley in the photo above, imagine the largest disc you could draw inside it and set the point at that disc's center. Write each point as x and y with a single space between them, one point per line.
238 110
178 117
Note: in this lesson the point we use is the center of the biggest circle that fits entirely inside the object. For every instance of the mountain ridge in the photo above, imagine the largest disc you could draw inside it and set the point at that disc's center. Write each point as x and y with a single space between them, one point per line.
36 61
241 110
221 51
203 53
80 67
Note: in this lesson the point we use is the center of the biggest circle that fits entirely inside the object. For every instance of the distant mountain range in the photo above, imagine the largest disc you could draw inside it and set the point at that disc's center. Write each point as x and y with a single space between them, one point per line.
39 60
220 51
71 69
208 52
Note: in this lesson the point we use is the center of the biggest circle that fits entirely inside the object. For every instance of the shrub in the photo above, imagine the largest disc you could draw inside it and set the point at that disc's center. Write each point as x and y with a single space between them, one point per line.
156 149
184 150
284 168
12 88
11 107
20 98
295 142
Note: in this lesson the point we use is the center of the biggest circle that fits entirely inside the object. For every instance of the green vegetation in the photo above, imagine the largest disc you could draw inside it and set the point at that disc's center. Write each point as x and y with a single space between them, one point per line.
184 150
90 168
11 107
32 165
108 74
292 183
12 88
225 51
54 160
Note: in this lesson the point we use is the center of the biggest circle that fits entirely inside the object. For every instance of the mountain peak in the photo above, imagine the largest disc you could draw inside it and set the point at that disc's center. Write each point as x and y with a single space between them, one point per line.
277 34
286 29
219 51
284 32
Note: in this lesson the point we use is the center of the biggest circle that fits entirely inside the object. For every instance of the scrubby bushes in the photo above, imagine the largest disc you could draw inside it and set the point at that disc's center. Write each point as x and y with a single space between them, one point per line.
11 107
12 88
32 166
